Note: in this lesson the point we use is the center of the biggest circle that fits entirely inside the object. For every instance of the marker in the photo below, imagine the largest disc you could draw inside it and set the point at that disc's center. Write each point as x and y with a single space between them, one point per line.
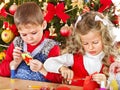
34 87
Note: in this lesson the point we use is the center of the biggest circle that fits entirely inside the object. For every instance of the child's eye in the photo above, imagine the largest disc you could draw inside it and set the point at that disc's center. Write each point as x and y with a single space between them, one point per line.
85 43
34 32
24 34
95 42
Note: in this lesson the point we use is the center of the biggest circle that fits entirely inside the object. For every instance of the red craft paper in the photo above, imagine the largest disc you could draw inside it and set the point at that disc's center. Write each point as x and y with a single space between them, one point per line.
62 88
89 84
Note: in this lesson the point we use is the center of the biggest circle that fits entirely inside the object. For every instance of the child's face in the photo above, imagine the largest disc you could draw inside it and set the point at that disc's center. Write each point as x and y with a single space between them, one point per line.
92 43
31 34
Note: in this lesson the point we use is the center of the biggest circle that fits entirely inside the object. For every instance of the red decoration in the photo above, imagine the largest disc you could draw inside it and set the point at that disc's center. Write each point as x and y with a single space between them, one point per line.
62 88
89 84
5 25
13 8
57 10
47 34
27 59
3 12
14 29
116 19
104 5
66 31
11 27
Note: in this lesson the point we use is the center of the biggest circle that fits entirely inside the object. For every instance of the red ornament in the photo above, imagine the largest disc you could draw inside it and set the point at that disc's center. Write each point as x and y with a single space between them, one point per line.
92 4
13 8
116 19
66 31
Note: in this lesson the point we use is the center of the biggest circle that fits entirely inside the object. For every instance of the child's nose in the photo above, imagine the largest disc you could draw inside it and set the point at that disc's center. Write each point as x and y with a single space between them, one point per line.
29 37
90 46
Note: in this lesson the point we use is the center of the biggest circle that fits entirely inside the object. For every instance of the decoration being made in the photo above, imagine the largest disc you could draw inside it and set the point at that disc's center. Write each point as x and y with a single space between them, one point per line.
26 57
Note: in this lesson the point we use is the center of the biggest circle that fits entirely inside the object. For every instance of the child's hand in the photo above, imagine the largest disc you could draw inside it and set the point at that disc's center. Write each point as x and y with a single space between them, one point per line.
17 55
99 78
35 65
115 67
67 74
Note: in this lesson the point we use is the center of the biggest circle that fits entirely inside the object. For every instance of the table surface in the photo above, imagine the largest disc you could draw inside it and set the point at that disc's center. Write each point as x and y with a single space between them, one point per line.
18 84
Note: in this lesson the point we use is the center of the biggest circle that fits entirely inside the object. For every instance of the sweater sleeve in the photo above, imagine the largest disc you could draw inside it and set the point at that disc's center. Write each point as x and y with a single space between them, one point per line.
54 77
4 65
54 63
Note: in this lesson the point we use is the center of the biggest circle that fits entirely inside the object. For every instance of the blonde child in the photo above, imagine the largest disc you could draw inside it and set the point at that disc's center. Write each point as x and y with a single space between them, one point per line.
89 51
30 24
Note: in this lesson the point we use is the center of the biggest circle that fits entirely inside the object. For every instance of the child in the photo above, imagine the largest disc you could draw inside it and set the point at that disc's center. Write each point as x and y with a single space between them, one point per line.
89 51
115 67
30 24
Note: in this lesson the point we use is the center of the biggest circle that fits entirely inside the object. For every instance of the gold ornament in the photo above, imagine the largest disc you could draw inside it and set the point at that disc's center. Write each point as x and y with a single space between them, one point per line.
52 31
40 0
78 3
7 1
45 6
7 36
2 55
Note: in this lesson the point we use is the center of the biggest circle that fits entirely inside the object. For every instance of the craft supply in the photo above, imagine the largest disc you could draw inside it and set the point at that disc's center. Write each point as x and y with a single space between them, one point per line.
26 57
12 72
102 86
113 82
62 87
34 86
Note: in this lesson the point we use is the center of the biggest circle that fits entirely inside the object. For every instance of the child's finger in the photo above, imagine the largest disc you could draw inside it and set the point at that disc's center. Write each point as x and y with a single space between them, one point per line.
64 74
70 75
118 69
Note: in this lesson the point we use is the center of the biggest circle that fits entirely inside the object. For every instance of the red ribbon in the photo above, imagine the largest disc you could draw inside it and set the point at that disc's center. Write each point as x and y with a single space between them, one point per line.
11 27
104 5
57 10
3 12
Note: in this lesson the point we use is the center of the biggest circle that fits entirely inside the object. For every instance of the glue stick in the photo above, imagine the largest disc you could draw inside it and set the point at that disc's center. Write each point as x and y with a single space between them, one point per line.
12 72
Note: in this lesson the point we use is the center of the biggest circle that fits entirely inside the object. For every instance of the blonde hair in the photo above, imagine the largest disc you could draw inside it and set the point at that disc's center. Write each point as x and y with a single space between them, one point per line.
28 13
86 24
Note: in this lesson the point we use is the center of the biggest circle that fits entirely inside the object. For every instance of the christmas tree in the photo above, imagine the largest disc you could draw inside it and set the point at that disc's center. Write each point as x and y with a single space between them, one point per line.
59 14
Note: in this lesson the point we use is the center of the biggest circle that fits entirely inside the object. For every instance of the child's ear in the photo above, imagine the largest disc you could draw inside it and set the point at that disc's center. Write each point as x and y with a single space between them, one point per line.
44 24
